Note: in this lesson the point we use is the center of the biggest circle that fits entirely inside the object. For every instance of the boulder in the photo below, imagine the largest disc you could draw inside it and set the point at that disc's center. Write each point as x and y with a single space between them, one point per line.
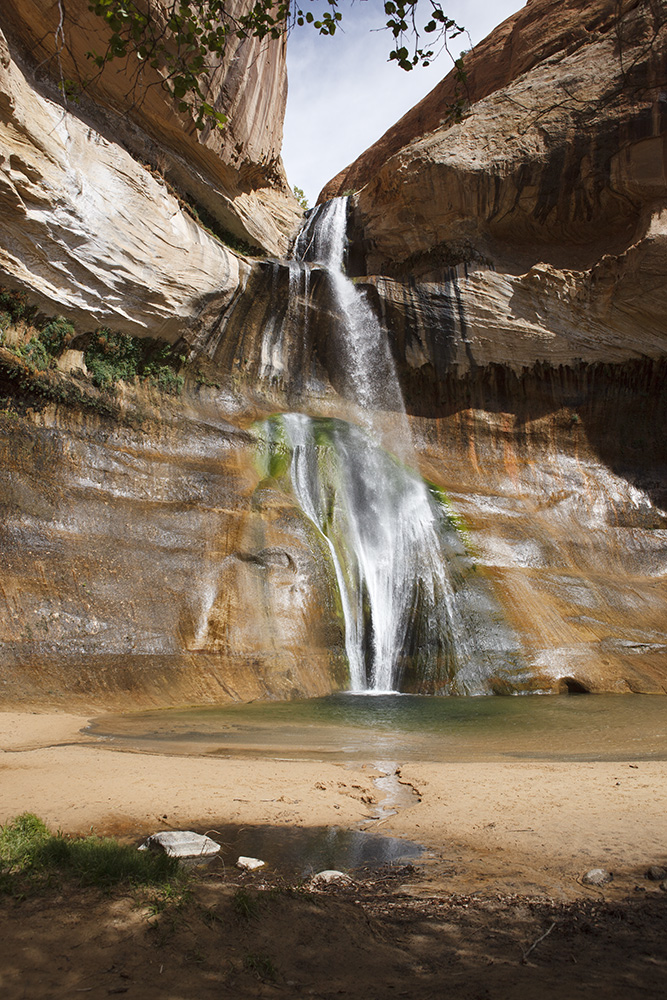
330 877
180 844
250 864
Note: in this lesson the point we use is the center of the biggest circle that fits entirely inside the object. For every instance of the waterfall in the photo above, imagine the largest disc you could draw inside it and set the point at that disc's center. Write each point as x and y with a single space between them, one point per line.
391 541
391 545
364 356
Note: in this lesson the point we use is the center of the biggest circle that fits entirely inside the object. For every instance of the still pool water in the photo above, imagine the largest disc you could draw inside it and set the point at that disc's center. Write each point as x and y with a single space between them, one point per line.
366 728
300 852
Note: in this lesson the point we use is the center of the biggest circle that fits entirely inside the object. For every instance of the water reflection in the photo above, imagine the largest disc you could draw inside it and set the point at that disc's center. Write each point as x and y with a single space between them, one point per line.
301 852
407 727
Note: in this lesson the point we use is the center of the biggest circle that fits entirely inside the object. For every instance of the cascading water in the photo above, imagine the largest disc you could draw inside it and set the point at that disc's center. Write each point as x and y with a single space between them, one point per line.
389 536
391 546
364 357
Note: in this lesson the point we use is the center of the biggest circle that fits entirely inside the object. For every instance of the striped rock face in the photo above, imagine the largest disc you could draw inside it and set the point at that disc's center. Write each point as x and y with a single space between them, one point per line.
500 353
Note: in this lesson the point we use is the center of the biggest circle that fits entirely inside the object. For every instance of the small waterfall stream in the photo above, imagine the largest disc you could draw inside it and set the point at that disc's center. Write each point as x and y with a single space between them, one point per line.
370 379
391 541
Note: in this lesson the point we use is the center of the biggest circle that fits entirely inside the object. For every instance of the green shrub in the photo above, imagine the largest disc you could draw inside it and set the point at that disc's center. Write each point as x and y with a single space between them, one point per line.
15 304
110 357
118 357
35 354
56 335
43 346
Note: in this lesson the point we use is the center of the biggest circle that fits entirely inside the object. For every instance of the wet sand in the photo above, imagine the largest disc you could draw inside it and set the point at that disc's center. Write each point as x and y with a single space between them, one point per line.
532 827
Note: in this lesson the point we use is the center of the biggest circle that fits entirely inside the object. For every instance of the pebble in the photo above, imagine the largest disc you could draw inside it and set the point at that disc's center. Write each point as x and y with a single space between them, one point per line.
597 876
250 864
656 873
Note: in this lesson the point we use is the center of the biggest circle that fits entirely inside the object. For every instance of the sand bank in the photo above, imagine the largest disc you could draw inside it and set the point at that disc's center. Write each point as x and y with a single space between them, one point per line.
518 827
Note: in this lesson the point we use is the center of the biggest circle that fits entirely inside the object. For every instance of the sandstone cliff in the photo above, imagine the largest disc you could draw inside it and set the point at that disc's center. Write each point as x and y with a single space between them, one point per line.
236 174
518 259
91 223
145 562
86 230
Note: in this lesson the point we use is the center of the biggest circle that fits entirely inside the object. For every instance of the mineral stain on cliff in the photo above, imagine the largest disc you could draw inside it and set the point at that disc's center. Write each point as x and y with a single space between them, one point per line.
515 261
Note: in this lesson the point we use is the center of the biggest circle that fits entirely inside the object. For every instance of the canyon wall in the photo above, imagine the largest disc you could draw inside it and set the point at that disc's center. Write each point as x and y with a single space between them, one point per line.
517 261
145 561
101 193
235 173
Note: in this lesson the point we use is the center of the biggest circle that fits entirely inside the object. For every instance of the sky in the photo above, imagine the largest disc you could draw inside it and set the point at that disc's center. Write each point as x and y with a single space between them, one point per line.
344 93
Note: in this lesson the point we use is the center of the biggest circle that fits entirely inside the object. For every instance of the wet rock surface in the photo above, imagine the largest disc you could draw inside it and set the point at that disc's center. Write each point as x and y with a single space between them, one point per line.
136 567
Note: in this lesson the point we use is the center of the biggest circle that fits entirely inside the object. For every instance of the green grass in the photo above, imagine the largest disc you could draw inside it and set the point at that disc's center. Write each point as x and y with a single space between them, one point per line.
245 905
31 857
261 966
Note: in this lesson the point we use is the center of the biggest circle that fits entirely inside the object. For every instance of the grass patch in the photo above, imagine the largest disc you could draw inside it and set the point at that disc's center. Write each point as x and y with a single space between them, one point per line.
32 857
245 905
261 966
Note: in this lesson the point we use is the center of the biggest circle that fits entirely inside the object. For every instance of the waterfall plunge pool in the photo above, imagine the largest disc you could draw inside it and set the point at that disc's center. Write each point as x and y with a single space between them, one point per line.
374 729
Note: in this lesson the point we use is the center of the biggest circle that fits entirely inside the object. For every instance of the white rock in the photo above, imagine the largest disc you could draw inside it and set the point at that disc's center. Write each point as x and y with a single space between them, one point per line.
330 877
250 864
597 876
181 844
89 231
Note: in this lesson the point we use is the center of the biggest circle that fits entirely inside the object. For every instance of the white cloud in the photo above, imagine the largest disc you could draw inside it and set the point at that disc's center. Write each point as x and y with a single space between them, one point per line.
344 94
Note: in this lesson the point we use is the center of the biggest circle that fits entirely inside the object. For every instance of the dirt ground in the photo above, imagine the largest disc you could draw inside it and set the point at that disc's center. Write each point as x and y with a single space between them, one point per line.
374 941
495 909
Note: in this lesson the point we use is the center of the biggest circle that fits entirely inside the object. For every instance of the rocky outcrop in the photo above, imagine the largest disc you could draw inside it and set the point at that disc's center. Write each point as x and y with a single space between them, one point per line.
518 261
101 193
86 230
540 33
236 173
563 165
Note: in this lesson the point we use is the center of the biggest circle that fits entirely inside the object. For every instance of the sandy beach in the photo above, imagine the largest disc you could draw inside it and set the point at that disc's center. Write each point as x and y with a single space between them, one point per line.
495 826
496 908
